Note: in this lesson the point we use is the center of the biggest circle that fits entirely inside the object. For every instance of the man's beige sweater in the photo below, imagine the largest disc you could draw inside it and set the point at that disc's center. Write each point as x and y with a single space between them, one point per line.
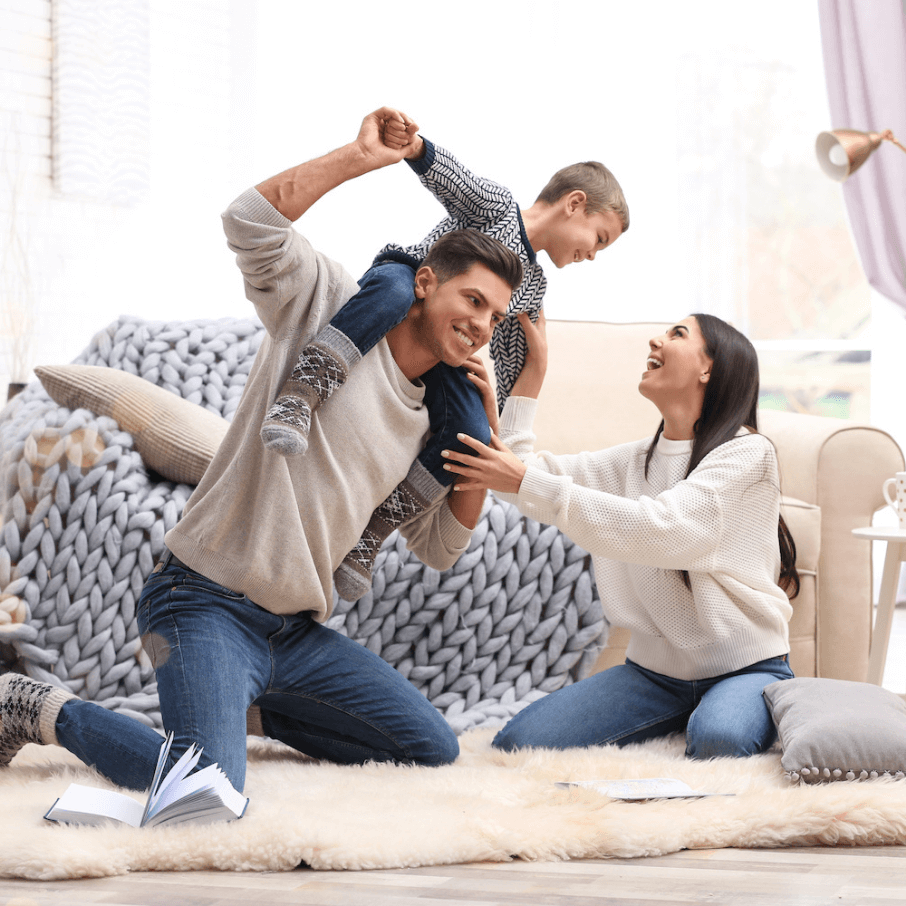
276 528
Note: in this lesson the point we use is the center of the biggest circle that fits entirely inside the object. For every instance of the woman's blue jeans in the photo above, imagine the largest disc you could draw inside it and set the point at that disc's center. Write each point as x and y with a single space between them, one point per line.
722 715
215 653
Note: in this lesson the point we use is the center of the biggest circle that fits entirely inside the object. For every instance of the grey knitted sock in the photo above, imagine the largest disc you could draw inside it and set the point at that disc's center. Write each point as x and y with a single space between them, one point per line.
411 497
322 367
28 713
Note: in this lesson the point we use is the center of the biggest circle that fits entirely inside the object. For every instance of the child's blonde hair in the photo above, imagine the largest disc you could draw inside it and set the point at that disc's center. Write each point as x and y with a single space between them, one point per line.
602 191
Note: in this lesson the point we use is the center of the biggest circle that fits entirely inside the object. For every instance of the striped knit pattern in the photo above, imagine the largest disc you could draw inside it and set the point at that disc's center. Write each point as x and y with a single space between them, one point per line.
480 204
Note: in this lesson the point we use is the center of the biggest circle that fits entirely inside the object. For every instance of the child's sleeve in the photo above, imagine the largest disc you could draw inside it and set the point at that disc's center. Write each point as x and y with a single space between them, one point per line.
475 201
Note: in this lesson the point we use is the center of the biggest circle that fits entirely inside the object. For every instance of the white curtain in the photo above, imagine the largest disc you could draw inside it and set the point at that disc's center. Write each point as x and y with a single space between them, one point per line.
864 44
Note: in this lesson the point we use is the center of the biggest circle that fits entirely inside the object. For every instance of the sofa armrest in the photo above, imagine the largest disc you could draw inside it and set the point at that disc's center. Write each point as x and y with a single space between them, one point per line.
840 467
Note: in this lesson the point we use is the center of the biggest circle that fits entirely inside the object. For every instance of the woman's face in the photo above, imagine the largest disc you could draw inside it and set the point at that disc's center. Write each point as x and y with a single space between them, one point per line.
678 368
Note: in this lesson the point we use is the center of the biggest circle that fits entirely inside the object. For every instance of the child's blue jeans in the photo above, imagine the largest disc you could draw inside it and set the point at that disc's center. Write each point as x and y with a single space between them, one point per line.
386 293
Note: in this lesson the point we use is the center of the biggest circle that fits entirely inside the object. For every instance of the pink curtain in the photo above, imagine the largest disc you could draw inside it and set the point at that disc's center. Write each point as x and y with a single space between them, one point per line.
864 44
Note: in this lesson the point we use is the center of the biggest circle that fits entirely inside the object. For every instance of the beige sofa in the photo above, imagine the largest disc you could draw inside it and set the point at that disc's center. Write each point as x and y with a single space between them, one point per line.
831 473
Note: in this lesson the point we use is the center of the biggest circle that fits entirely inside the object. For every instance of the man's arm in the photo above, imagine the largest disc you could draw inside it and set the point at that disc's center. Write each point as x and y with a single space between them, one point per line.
384 138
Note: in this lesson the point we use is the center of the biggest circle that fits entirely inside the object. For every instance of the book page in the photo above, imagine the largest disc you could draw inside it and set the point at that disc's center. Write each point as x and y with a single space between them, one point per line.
207 790
642 788
90 805
169 786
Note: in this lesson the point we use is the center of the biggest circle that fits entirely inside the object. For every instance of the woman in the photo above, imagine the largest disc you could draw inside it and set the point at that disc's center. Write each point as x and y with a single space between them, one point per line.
690 552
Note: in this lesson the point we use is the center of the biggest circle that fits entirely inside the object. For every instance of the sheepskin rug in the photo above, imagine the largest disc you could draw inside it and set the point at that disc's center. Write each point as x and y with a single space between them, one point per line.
488 806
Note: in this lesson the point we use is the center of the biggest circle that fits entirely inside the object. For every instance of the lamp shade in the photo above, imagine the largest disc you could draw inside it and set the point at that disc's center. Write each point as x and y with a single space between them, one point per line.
842 151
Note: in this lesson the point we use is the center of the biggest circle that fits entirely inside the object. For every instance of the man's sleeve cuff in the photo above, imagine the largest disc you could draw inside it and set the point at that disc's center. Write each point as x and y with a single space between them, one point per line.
453 533
251 205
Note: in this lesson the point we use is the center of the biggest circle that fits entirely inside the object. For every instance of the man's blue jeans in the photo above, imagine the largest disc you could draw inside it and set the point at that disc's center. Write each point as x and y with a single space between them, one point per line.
722 715
216 652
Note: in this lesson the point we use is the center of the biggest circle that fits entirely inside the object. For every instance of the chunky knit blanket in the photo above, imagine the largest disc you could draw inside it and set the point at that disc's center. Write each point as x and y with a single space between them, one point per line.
83 522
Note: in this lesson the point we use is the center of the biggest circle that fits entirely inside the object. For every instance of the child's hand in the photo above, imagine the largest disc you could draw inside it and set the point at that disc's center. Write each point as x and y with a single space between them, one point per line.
531 377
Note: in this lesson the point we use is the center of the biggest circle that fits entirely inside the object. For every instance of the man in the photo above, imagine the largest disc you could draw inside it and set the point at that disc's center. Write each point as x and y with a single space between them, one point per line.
233 613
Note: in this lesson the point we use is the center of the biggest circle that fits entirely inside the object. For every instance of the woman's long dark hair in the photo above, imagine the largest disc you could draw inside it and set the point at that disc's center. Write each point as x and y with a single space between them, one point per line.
731 402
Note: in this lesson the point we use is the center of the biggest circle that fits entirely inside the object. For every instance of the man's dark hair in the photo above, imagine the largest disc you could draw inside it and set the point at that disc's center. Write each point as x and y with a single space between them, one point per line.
454 253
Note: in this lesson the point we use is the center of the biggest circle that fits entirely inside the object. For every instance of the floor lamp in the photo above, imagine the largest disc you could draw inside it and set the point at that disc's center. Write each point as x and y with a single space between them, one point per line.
842 151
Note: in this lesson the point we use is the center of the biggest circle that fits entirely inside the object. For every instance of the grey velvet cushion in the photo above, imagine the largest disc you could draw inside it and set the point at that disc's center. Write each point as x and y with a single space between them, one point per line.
838 730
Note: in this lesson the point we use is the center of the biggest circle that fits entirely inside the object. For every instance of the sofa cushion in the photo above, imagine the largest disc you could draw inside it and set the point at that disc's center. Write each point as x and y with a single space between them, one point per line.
175 438
837 729
804 522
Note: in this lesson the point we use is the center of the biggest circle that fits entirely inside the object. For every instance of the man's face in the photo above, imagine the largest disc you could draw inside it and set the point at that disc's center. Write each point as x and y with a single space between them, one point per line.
458 316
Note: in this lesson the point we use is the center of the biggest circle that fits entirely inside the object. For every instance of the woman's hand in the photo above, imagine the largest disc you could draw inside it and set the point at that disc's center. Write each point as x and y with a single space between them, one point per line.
478 375
531 377
494 467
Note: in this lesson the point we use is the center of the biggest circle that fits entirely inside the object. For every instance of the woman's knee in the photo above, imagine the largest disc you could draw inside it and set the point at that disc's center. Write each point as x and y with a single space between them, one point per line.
739 741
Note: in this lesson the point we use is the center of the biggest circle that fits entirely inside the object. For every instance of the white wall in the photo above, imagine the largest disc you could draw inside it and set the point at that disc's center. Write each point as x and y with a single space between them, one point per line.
164 257
517 89
243 88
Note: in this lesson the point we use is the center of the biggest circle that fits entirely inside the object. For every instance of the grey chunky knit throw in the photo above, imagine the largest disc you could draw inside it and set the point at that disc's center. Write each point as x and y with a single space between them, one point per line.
83 522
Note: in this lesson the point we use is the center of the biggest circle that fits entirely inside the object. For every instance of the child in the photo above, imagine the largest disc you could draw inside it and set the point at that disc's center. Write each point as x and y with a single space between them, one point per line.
580 212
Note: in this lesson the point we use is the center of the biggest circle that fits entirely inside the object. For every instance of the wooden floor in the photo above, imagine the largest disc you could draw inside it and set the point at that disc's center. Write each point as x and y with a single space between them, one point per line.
726 877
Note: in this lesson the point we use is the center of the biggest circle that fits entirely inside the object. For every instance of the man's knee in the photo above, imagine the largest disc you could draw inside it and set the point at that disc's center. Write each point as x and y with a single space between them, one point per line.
439 749
508 739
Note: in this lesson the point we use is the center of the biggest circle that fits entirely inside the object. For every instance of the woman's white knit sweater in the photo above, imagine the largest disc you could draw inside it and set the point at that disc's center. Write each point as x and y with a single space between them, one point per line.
720 524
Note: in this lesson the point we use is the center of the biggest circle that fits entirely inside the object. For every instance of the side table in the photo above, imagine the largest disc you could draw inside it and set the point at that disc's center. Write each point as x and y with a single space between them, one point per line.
887 597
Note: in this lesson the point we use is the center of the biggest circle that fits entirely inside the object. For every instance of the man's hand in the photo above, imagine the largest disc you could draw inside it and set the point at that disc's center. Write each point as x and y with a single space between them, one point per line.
388 136
400 132
478 375
294 191
495 467
531 377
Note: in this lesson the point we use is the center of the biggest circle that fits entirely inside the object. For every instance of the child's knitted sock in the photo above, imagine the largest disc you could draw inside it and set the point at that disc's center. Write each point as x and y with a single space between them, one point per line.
411 497
28 713
322 366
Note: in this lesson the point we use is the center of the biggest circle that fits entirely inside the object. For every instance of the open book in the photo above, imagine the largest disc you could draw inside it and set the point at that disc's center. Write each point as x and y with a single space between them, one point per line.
178 797
636 790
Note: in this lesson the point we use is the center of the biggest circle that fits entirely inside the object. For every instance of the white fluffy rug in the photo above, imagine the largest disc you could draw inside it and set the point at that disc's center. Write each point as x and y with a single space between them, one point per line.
488 806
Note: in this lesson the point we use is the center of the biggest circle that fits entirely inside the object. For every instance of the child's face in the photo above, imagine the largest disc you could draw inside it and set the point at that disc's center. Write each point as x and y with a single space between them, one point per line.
579 236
